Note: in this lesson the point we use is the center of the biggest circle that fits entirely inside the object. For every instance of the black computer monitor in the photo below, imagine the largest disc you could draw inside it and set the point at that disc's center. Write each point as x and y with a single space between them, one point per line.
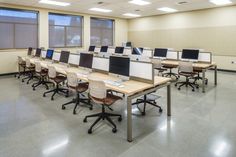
91 48
119 50
49 54
160 52
30 49
119 65
190 54
104 49
137 51
38 52
86 60
64 56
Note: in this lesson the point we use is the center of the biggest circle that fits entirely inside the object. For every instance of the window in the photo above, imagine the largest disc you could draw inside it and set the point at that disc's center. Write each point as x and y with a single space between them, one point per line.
18 28
65 30
101 32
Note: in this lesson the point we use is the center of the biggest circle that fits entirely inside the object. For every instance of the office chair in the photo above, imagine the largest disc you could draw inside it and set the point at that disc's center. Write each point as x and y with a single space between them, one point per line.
198 77
72 82
186 70
158 66
42 74
30 70
170 73
21 64
98 94
58 79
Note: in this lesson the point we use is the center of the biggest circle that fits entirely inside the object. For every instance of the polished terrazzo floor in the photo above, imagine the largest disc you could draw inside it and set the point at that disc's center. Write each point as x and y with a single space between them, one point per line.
202 125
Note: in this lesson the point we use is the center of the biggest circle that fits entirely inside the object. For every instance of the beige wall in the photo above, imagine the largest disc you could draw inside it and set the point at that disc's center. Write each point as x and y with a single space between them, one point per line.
8 58
212 30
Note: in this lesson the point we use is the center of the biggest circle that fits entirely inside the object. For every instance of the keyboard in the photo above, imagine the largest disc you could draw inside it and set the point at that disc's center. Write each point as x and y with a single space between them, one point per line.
113 83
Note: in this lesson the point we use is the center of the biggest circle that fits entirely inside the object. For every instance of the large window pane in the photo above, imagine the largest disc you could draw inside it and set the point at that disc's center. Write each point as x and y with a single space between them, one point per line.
56 36
101 32
65 30
6 37
26 32
18 28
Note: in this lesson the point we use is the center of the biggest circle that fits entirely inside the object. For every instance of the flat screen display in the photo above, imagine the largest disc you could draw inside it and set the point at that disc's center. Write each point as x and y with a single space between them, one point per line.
91 48
38 52
49 54
119 65
86 60
190 54
64 56
160 52
119 50
104 49
137 51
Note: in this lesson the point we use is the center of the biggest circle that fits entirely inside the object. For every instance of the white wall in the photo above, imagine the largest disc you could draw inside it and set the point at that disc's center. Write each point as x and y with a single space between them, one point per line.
8 58
211 29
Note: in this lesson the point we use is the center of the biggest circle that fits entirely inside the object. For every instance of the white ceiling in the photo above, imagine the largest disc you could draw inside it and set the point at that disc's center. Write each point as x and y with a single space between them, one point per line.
120 7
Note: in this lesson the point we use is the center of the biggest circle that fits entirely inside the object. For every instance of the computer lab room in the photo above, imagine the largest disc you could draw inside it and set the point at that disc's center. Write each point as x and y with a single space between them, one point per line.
117 78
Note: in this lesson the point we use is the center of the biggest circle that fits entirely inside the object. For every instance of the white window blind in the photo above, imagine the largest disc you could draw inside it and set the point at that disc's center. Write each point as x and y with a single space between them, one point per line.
65 30
101 32
18 28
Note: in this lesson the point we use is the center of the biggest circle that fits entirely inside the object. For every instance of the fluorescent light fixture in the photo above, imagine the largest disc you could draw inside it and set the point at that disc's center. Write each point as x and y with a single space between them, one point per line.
166 9
101 10
139 2
64 4
220 2
131 15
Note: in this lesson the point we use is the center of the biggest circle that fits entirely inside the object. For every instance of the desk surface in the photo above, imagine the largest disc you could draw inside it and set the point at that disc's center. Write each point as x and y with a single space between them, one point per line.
195 65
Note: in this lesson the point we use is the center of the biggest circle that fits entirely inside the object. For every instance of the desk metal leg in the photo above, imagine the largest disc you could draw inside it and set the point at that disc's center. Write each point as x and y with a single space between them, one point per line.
169 99
215 74
203 80
129 120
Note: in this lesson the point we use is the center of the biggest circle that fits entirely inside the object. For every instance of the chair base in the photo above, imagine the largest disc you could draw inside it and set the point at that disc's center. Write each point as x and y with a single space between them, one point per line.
170 74
200 78
42 81
102 116
30 77
145 101
20 73
77 102
57 90
187 83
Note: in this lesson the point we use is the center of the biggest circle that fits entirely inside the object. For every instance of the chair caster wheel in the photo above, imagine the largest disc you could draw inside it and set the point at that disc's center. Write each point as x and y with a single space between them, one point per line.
47 88
44 95
91 108
114 130
175 85
85 120
63 107
120 119
160 110
52 99
193 90
22 81
90 131
74 112
143 113
178 88
33 89
27 83
197 87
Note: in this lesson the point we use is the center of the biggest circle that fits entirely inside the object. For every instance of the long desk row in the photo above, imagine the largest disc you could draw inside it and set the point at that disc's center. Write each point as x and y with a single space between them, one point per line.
198 66
131 88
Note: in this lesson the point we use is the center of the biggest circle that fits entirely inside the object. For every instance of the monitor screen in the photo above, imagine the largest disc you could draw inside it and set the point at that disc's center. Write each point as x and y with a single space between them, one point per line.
38 52
190 54
119 65
86 60
104 49
49 54
30 49
160 52
64 56
137 51
119 50
91 48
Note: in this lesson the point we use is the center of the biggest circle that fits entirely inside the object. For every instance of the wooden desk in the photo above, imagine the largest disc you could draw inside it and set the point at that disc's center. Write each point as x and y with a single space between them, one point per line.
131 88
198 66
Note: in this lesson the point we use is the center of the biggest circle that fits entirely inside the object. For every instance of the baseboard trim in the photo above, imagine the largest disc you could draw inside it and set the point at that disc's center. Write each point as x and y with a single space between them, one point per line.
6 74
224 70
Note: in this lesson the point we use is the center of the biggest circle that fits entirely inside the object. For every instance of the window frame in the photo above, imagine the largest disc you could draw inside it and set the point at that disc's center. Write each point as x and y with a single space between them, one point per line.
113 30
15 23
65 30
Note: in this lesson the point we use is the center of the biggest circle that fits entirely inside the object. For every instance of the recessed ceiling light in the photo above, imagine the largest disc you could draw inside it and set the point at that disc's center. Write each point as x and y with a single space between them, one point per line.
166 9
131 15
54 3
101 10
139 2
220 2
